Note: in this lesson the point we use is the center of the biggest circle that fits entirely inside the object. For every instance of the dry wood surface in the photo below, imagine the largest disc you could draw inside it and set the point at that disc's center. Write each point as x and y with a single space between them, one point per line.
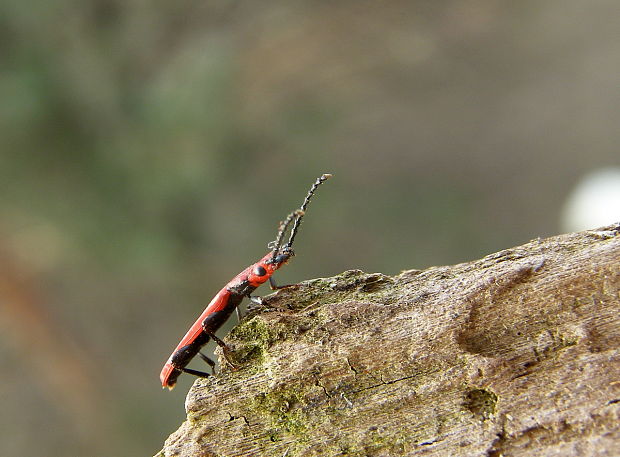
515 354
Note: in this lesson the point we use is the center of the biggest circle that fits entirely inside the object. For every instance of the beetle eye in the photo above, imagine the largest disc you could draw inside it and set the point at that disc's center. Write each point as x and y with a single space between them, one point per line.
259 271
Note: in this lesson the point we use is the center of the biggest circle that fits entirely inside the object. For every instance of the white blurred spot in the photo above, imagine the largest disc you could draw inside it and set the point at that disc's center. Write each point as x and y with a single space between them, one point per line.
595 202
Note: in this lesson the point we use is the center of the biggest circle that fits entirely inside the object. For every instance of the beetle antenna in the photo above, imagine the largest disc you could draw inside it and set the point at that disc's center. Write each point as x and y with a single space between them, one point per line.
303 207
275 245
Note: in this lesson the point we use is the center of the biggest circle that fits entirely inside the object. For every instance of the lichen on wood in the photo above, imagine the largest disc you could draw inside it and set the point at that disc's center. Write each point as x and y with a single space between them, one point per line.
514 354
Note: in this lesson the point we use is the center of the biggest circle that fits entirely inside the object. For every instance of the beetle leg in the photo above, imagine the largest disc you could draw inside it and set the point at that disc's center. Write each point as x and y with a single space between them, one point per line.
226 350
274 285
200 374
209 362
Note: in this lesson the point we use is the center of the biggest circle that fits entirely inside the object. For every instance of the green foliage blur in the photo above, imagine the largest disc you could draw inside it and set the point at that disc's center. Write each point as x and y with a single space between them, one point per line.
149 151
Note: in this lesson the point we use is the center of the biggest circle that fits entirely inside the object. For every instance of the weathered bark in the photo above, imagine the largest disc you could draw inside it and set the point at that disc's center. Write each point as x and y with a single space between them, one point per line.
515 354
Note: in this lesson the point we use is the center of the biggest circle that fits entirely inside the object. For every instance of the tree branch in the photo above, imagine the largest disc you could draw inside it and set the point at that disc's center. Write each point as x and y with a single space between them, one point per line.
513 354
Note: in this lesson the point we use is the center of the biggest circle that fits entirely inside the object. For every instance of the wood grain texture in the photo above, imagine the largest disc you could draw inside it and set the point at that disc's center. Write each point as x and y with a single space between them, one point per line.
515 354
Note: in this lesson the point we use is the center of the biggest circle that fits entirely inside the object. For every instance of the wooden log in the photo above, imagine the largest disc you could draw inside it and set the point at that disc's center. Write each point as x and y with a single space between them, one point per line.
516 354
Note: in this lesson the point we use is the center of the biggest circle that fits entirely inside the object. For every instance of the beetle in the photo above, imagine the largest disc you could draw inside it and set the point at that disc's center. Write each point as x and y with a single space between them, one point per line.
230 296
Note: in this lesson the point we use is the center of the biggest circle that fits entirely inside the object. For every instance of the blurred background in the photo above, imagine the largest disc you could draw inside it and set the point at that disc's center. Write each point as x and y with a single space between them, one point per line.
149 149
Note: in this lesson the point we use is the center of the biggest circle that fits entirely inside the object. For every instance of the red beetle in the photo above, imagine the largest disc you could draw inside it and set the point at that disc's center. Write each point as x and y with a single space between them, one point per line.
231 295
